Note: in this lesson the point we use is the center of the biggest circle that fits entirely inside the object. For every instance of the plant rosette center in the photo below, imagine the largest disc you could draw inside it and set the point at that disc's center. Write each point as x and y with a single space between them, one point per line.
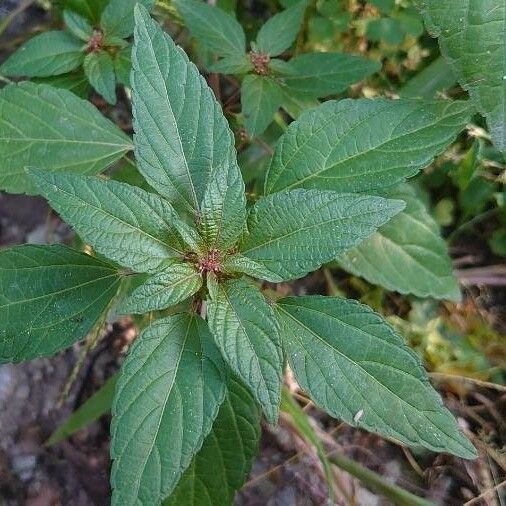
96 42
210 262
260 62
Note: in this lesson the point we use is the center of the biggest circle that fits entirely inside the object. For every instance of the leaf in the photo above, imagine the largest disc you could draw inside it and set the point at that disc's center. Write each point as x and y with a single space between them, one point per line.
46 54
363 145
246 332
294 232
50 297
75 82
52 128
77 25
90 9
123 65
321 74
166 288
126 224
433 79
181 135
261 97
280 31
118 17
242 264
168 395
215 29
235 64
91 410
471 38
230 448
357 368
406 254
99 69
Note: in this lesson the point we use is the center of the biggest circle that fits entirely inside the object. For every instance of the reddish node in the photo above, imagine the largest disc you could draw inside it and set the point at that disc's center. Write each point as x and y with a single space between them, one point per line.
260 62
210 263
96 42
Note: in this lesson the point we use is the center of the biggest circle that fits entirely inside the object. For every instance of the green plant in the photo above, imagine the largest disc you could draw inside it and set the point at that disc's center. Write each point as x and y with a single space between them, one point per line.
189 390
269 82
94 39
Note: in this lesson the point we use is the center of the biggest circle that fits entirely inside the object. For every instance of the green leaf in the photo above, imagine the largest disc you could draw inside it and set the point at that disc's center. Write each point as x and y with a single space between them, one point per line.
363 145
181 135
166 288
52 128
118 17
75 82
168 395
244 265
388 30
99 69
123 65
261 97
90 9
235 64
321 74
213 28
406 254
294 232
229 448
357 368
50 297
246 332
471 38
77 25
296 103
91 410
46 54
280 31
126 224
434 78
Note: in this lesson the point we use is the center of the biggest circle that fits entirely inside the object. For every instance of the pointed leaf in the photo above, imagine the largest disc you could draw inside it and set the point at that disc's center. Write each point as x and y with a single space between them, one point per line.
230 448
407 254
240 263
76 82
215 29
295 232
123 65
50 297
118 17
321 74
246 332
52 128
236 64
91 9
172 285
360 145
77 25
181 135
472 38
280 31
261 97
357 368
99 69
126 224
168 395
46 54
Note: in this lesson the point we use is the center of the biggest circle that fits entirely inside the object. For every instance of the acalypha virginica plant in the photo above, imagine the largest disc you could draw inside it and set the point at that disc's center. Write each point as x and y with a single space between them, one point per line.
187 407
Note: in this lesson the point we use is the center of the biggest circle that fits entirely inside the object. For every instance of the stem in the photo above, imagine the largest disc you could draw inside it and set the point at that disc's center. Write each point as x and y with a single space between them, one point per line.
378 483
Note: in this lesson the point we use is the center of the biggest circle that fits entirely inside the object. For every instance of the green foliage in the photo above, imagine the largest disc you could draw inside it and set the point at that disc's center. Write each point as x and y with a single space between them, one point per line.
99 69
471 37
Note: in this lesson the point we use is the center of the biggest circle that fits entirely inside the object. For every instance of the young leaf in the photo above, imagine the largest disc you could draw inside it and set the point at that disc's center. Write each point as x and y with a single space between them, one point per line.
295 232
77 25
90 9
471 38
46 54
166 288
230 448
76 82
50 297
321 74
240 263
261 97
181 135
168 395
236 64
361 145
99 69
407 254
52 128
213 28
246 332
280 31
118 17
123 65
354 365
126 224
